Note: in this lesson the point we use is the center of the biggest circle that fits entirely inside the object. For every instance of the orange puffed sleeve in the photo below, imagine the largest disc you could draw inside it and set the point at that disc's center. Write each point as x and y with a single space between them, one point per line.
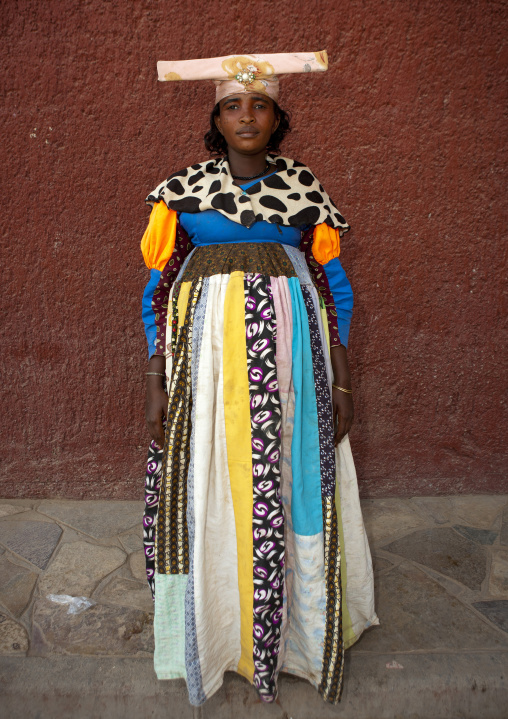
158 241
326 244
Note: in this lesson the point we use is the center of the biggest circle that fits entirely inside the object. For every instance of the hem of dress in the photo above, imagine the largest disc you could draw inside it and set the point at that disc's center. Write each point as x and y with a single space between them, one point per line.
210 688
373 622
214 684
167 676
301 675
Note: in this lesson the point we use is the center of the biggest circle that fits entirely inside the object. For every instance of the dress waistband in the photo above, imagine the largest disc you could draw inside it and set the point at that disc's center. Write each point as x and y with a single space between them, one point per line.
266 258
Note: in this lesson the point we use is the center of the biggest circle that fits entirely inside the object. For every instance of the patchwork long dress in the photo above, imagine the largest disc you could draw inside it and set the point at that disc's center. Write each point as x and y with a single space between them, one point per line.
255 545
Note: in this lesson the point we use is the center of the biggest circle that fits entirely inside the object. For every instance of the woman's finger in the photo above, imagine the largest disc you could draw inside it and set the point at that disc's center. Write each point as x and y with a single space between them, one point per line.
156 429
160 435
343 412
349 423
341 430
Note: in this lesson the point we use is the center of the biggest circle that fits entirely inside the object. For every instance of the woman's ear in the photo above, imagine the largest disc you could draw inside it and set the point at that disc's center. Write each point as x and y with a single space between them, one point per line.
218 123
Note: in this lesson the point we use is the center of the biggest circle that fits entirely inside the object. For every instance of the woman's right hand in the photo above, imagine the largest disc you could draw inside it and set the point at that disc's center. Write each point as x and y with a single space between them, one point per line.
156 403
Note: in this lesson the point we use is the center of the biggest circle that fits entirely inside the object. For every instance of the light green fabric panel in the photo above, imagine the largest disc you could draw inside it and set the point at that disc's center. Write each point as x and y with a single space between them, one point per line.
169 626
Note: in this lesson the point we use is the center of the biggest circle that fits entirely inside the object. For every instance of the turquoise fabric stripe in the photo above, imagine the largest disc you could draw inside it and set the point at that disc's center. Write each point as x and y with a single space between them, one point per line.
306 512
169 626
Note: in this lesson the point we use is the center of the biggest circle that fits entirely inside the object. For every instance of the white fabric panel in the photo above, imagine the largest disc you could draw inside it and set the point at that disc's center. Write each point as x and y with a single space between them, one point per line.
216 594
307 612
360 577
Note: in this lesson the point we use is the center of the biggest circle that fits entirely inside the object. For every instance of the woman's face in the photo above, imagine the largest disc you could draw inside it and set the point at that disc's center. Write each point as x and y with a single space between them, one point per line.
247 121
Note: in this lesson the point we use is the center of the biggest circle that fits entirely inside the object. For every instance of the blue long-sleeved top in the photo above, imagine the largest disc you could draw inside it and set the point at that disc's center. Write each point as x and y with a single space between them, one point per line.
211 227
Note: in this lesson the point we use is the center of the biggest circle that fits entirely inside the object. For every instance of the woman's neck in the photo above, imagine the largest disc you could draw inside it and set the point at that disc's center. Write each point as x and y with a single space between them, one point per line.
246 165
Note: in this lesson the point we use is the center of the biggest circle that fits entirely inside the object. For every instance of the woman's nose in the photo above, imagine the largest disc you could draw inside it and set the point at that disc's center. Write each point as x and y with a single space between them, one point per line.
247 117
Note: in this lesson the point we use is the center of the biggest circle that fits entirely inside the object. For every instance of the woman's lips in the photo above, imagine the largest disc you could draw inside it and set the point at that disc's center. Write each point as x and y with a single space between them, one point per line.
247 133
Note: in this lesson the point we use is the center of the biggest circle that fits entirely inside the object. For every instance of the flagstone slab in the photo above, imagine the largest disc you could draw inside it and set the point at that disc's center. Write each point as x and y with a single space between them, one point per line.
34 541
100 630
498 580
456 589
127 593
385 518
445 551
8 509
13 637
16 586
26 503
475 510
98 519
137 564
131 542
503 535
480 536
379 564
29 515
478 510
495 610
416 613
78 568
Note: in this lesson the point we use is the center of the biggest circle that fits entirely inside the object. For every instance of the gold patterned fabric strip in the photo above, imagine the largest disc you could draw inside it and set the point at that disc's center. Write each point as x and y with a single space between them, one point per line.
266 258
172 547
333 656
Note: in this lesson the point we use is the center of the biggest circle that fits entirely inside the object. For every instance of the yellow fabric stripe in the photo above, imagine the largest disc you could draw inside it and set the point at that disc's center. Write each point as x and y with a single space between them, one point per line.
158 242
183 298
324 318
237 420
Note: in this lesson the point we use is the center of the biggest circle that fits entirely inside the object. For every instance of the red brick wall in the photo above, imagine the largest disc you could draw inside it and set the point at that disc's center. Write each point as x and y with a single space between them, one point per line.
406 133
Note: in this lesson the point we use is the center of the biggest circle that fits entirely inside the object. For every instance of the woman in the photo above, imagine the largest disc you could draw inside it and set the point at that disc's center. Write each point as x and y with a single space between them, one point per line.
251 512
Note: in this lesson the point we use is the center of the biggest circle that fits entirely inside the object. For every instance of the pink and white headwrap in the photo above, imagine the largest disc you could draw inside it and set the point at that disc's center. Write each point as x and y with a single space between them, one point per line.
234 74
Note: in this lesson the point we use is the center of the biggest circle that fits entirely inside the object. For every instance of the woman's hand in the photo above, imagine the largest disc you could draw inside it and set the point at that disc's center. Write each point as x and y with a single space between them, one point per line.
343 413
156 404
342 402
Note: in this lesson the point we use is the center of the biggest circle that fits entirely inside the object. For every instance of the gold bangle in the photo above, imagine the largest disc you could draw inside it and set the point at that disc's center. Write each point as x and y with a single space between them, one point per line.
347 391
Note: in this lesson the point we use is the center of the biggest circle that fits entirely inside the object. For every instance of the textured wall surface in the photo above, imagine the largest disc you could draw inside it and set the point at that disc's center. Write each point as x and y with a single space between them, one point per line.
406 132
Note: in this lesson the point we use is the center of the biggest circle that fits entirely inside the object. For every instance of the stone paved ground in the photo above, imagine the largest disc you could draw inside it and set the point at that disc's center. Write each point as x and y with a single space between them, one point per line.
441 567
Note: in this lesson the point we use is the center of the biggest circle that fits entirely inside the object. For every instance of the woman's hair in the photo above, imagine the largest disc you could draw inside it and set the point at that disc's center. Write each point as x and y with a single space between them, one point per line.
217 145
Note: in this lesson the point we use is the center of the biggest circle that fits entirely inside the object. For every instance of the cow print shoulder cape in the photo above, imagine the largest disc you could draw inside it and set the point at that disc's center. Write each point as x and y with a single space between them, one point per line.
292 197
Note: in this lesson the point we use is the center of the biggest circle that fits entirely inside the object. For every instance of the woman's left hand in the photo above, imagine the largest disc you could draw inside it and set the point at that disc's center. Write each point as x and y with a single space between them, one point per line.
342 402
343 413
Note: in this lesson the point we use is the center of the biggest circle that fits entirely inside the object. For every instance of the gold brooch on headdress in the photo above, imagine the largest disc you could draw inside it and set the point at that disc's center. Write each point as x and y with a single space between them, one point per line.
246 77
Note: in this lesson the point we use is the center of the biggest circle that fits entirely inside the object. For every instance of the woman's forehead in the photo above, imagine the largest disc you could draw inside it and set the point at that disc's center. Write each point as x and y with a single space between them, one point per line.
246 97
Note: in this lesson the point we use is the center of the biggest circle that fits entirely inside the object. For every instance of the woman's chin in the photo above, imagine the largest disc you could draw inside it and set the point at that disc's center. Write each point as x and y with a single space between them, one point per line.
252 144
